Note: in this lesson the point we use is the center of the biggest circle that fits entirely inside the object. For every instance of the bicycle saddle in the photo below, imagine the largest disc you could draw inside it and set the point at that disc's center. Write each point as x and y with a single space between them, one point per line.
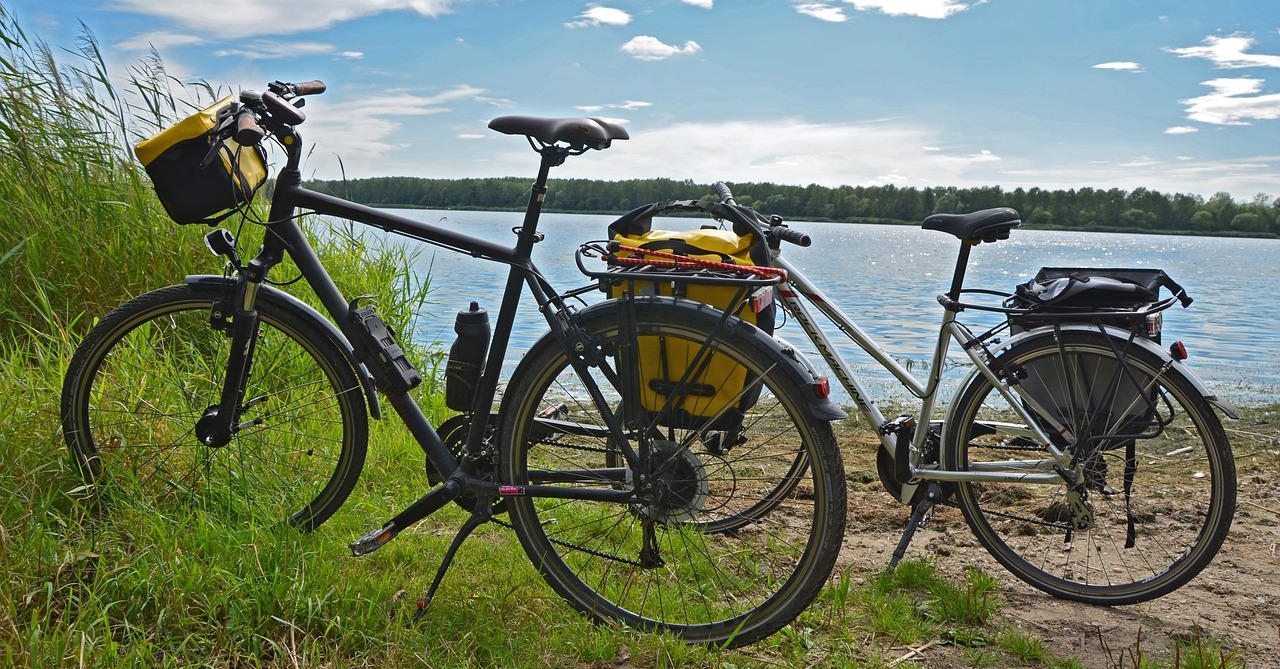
988 225
591 133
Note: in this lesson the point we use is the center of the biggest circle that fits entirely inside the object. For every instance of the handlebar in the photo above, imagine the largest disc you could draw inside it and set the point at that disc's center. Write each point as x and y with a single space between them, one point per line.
248 132
722 190
774 230
281 110
313 87
275 111
793 236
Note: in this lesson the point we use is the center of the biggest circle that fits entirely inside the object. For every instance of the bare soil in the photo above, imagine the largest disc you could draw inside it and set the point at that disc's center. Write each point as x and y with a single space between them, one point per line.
1236 599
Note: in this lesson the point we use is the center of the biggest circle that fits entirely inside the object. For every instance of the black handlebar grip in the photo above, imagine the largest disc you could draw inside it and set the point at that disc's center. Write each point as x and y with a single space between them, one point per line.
282 110
248 132
794 236
726 195
313 87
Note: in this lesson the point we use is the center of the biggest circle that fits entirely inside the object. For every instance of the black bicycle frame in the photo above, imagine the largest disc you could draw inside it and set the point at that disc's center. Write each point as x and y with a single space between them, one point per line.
285 236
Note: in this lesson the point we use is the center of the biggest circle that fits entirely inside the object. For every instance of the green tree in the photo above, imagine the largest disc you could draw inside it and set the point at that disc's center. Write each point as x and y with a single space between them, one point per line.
1202 220
1248 222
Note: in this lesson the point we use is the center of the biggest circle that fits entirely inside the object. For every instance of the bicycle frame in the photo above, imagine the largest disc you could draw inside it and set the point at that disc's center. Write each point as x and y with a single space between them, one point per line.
1047 470
284 236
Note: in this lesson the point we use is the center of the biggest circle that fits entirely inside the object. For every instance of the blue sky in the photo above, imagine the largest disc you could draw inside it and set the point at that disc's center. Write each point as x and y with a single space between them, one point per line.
1172 95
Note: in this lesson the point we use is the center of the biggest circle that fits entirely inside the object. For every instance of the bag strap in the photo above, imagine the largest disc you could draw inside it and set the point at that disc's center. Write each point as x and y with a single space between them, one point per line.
640 220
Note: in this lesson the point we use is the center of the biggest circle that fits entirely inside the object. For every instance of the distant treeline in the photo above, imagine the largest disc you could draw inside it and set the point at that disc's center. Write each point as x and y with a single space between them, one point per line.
1084 208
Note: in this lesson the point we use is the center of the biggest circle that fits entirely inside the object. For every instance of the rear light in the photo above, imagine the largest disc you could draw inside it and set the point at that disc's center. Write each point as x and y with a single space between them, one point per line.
1178 351
822 388
1154 323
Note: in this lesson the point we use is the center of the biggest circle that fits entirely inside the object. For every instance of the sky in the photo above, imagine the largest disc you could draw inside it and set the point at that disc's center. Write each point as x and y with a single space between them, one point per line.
1177 96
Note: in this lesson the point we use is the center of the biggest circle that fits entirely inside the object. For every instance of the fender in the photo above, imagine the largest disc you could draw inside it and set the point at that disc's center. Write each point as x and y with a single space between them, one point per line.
1151 347
690 311
220 284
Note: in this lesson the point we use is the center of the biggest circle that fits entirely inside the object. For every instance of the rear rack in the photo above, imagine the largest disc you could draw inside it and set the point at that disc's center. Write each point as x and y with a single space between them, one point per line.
648 265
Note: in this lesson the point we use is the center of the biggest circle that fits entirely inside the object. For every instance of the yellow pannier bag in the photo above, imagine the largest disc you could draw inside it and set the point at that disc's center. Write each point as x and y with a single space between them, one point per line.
195 174
718 386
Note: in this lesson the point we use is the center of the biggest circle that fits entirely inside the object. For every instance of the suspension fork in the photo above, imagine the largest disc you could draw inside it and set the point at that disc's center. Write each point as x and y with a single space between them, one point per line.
220 422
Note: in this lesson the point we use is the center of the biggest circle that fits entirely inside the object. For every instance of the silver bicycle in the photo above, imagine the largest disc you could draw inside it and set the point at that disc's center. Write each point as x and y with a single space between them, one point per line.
1086 458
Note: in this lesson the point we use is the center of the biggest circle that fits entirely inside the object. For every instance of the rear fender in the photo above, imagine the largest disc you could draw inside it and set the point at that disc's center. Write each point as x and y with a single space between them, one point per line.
765 346
218 285
1178 366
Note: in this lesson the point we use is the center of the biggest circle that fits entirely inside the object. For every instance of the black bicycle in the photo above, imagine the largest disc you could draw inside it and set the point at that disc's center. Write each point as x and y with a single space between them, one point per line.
643 451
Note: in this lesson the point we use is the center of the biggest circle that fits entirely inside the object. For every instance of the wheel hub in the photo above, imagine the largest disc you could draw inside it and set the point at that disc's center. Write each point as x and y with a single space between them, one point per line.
677 485
207 432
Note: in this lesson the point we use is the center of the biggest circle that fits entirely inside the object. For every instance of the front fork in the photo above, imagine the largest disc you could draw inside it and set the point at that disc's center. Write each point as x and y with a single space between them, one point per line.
237 313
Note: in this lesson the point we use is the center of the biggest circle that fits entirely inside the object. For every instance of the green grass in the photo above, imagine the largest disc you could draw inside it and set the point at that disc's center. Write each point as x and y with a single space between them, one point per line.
120 581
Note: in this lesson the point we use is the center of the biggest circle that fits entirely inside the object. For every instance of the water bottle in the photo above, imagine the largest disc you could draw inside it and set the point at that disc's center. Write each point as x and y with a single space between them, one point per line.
466 357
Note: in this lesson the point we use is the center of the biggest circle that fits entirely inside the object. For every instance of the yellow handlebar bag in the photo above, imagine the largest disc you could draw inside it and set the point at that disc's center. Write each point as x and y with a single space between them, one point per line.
197 175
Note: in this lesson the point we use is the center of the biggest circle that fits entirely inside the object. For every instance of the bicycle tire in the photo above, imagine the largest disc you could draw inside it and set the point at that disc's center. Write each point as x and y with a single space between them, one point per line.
147 372
741 556
1175 462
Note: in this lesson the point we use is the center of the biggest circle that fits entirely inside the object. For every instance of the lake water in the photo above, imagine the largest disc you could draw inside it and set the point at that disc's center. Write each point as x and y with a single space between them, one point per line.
887 278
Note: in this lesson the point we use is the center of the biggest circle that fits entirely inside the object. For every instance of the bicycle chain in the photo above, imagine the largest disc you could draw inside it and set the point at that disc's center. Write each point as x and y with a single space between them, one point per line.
569 544
576 547
1034 521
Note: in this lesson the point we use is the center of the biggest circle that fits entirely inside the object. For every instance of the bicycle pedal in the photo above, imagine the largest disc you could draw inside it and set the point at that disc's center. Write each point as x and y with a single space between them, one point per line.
374 540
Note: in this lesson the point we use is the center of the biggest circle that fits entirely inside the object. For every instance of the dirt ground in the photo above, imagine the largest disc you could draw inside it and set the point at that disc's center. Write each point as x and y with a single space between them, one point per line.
1235 599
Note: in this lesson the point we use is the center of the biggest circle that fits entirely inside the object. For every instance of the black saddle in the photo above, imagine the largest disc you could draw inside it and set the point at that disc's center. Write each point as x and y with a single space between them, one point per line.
988 225
578 133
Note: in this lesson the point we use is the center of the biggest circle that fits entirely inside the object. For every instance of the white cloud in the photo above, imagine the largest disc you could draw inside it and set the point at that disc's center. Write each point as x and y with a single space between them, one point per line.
645 47
629 105
1181 130
705 4
1233 103
470 135
242 18
595 15
1119 66
822 11
786 151
927 9
267 49
363 145
1228 53
159 39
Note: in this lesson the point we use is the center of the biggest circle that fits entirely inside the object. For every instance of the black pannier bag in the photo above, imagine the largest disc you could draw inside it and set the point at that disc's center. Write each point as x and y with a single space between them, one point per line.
1094 296
196 175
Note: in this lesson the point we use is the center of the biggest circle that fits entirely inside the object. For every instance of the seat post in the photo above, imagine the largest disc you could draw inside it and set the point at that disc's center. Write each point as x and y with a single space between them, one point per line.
552 156
957 279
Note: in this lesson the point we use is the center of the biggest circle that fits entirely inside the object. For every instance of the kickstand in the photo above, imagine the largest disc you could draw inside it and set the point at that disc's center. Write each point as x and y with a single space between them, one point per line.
919 516
480 515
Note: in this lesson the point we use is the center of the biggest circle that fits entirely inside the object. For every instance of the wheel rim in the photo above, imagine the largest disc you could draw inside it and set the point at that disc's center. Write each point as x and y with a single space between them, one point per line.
1156 519
144 396
745 519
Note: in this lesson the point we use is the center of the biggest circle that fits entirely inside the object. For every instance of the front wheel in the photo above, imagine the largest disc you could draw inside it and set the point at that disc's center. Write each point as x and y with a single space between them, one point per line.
726 538
1157 483
146 374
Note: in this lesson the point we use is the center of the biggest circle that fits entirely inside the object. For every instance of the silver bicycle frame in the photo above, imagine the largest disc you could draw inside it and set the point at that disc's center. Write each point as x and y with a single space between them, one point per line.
1043 470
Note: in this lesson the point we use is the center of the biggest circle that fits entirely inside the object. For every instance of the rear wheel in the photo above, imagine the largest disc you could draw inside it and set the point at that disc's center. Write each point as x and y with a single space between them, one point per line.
734 525
145 375
1157 481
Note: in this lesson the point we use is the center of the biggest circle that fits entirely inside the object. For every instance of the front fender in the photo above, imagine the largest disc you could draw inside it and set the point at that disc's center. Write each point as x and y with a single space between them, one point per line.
218 285
1223 405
